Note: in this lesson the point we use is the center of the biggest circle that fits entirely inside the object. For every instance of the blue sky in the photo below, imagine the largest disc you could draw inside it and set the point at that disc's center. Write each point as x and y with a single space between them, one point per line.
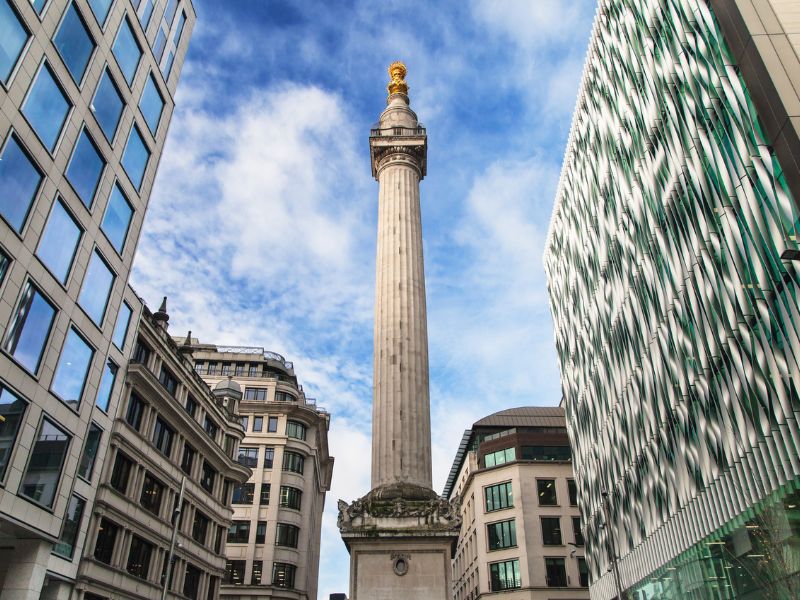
261 227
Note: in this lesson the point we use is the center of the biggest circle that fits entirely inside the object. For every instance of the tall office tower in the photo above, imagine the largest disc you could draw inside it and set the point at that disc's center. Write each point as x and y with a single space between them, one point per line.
86 95
671 265
174 444
401 534
273 544
521 530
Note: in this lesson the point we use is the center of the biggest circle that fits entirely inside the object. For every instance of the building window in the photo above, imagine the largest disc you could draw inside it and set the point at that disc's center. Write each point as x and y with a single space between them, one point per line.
546 453
191 583
141 354
252 371
146 11
90 447
234 572
30 328
283 575
291 497
162 436
59 242
243 493
74 43
498 496
13 40
258 424
46 107
556 572
218 539
573 492
96 288
12 411
230 446
239 532
551 531
226 369
209 475
258 565
200 527
139 557
245 422
100 9
284 397
135 412
19 180
72 369
4 262
296 430
504 575
85 168
116 221
151 104
211 428
583 572
272 425
259 394
43 474
576 527
69 530
191 406
127 51
292 461
261 532
199 367
188 459
226 485
135 157
152 493
212 368
121 473
106 537
248 457
265 488
546 489
239 372
169 12
107 106
500 457
269 457
106 386
160 44
287 535
502 534
167 379
121 328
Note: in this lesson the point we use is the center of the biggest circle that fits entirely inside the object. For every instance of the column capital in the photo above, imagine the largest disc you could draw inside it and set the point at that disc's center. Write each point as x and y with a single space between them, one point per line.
402 144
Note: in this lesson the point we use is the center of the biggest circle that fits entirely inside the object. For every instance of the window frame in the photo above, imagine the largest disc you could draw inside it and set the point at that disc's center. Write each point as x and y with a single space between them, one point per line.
90 470
9 456
82 19
52 151
59 201
14 330
49 507
37 190
127 21
12 72
84 131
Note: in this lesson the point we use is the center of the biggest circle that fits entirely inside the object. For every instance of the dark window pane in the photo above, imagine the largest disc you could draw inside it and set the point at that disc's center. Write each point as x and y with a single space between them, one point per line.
74 43
287 535
117 218
13 37
498 496
546 489
547 453
43 474
162 436
504 575
96 289
191 406
269 457
573 492
152 493
151 104
583 572
121 328
12 409
556 572
19 180
208 477
141 353
167 379
127 51
295 430
46 107
234 572
90 447
261 532
292 461
121 473
73 366
59 242
290 497
272 425
239 532
70 528
191 582
135 412
30 328
258 424
502 535
188 459
265 490
248 457
139 557
551 531
135 158
107 106
106 386
283 575
85 168
258 566
106 536
243 493
4 262
100 9
200 527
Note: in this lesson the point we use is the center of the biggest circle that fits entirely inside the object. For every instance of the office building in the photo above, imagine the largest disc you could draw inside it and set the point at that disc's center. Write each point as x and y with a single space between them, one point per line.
273 544
521 534
672 268
86 96
174 445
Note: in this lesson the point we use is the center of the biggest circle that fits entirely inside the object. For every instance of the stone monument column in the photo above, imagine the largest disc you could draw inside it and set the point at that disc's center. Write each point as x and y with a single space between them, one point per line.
401 536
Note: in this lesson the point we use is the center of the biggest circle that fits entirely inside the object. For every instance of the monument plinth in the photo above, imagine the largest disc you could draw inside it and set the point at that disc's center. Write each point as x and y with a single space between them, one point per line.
401 535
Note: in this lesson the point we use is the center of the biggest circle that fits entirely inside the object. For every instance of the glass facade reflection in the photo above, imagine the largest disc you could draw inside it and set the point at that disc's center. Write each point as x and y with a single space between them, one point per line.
107 106
134 161
96 288
43 473
30 328
73 366
19 180
127 51
85 168
46 107
12 409
151 104
106 385
59 242
117 218
74 43
13 37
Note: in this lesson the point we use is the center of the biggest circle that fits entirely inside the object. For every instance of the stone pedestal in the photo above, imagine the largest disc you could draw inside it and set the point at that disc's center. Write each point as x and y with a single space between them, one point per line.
400 547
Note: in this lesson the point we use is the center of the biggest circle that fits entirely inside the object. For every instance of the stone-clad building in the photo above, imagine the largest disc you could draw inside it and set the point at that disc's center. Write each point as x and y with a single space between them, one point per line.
273 544
86 95
521 536
171 432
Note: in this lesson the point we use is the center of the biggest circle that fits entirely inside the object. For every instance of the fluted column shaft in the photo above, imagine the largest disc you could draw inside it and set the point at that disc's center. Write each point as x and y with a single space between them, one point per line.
401 429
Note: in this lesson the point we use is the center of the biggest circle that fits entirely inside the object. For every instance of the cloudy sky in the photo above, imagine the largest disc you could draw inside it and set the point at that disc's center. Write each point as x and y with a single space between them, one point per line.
261 227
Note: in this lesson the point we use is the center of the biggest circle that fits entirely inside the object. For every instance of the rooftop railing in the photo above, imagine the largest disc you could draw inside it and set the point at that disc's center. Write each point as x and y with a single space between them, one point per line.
395 131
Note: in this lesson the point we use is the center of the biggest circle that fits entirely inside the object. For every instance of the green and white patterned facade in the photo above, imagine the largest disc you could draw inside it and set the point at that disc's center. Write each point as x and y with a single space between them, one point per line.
674 287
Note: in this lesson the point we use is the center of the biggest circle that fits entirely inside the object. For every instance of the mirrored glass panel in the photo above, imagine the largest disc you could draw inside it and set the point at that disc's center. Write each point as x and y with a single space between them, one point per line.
38 5
100 9
96 289
145 12
135 158
30 328
43 474
59 242
85 168
106 386
176 37
13 37
73 366
151 104
74 43
117 219
127 51
121 328
71 527
46 107
19 180
12 409
90 447
107 106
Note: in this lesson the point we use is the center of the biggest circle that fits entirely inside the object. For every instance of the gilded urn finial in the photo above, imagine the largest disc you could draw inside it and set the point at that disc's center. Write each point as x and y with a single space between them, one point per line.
398 85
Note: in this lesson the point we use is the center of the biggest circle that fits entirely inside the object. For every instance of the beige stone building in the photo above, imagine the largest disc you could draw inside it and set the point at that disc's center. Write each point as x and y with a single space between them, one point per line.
86 95
171 432
273 544
521 531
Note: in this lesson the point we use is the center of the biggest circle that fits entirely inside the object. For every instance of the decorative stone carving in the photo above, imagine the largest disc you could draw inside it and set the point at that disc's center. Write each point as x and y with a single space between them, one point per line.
372 511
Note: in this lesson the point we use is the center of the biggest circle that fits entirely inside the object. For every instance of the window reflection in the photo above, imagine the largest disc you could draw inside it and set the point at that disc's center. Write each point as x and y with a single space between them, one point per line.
127 51
40 482
96 289
74 43
12 409
46 107
59 242
135 158
73 366
29 329
13 40
85 168
19 180
107 106
117 218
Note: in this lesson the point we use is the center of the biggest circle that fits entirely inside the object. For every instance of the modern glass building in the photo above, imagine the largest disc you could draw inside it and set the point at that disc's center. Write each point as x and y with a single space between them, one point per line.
86 95
672 269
